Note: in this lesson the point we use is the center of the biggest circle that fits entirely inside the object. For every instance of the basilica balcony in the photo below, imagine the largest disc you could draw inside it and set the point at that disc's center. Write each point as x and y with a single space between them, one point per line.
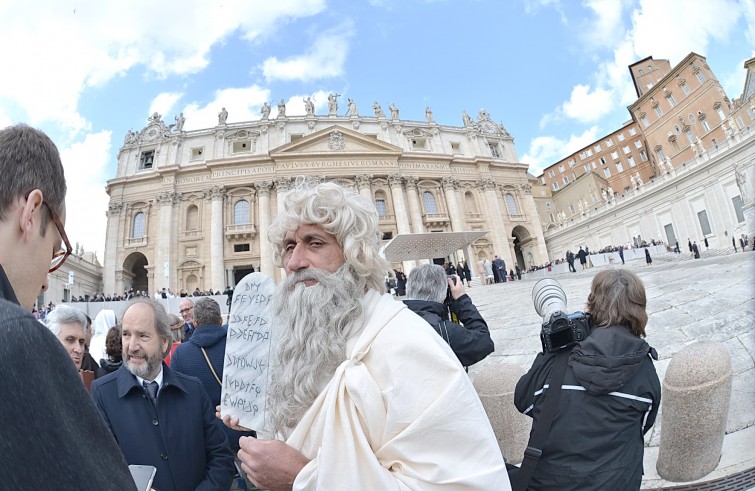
191 235
474 217
240 231
435 219
136 241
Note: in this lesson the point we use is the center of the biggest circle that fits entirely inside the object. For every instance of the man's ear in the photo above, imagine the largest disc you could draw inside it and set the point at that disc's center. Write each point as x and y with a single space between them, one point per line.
29 216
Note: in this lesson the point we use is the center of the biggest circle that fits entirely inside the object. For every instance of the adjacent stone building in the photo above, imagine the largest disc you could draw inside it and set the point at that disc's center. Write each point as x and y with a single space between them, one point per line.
190 209
694 183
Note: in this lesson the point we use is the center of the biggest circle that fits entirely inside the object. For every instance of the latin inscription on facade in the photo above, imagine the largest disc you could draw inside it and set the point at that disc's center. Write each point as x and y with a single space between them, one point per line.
335 164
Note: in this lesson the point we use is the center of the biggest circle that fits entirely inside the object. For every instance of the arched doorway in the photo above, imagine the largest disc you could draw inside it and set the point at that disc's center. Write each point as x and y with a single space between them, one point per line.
134 268
523 244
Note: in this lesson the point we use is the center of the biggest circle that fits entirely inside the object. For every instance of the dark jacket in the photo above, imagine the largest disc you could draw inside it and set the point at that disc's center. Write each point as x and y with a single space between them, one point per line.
180 436
107 366
470 342
53 437
609 399
188 359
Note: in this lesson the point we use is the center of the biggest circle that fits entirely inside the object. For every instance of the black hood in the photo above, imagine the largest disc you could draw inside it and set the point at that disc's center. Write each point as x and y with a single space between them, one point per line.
432 312
608 359
110 366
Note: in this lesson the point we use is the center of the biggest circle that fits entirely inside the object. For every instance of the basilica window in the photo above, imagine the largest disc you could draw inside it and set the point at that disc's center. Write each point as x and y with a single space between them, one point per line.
471 203
638 144
241 212
659 111
690 138
645 121
643 156
428 199
705 124
671 100
137 229
685 88
511 204
632 131
630 160
192 218
619 167
607 172
380 204
720 113
700 76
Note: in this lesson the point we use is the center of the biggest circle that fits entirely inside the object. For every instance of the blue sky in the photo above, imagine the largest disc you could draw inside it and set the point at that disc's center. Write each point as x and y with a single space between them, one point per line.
553 72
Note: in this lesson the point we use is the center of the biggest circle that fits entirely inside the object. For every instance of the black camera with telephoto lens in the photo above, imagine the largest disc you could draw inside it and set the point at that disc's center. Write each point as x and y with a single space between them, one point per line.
560 330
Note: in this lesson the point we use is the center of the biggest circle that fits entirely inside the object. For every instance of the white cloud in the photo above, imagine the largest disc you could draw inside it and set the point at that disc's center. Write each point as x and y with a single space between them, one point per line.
606 28
546 150
242 104
68 48
696 23
325 59
164 102
86 168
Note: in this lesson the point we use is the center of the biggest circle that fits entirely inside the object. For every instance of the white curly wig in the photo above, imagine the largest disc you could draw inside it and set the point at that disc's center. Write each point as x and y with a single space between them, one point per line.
350 217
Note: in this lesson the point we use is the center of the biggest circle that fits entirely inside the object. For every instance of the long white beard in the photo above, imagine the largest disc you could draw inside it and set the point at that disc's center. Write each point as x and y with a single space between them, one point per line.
312 327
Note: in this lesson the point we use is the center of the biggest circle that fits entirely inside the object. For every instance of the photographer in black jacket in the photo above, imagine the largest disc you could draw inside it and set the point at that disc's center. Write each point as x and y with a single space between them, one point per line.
427 290
608 400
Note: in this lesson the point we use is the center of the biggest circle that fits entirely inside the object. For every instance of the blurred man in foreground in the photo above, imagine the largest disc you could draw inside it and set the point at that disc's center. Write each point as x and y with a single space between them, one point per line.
42 393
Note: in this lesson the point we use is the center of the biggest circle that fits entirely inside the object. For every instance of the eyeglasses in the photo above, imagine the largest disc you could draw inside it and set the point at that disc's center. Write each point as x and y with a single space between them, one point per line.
59 257
183 311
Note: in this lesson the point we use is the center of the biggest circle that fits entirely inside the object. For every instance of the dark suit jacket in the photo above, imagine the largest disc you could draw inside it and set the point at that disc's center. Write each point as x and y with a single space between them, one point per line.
53 437
180 436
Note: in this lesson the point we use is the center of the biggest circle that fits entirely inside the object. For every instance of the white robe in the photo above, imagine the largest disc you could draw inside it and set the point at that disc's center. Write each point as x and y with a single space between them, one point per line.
399 414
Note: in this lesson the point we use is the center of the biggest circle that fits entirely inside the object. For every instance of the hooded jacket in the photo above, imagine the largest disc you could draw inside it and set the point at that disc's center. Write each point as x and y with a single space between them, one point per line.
471 341
189 360
609 400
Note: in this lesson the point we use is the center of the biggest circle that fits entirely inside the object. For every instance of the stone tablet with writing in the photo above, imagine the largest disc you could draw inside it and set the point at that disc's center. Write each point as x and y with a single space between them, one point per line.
247 351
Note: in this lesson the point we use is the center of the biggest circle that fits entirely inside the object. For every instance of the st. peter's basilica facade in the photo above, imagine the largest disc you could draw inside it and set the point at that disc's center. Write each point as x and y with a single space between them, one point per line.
190 209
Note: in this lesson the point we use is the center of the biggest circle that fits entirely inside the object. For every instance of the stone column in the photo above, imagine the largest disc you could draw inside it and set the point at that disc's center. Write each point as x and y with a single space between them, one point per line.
495 218
402 217
217 266
399 205
363 185
162 269
450 184
229 277
282 186
266 250
415 210
530 210
112 239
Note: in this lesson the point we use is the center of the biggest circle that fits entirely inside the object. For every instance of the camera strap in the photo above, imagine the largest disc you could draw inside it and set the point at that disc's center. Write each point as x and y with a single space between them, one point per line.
539 433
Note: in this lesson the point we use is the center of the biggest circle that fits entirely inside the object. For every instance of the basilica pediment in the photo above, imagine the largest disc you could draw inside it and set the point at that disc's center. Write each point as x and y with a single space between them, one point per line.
334 140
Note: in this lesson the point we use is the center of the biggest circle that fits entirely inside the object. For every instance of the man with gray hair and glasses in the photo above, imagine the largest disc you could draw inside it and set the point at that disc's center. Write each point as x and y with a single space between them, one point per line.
42 391
428 290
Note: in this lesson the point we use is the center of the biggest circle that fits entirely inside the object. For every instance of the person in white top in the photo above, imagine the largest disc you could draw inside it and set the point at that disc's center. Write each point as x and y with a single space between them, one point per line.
363 393
103 321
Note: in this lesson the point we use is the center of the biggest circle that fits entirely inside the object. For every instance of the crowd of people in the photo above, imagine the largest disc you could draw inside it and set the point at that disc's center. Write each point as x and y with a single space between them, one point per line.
364 392
132 294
